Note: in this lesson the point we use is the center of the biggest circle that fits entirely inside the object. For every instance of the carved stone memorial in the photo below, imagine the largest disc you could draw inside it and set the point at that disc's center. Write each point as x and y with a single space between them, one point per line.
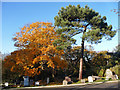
109 74
26 80
90 79
37 83
68 80
31 82
47 80
65 82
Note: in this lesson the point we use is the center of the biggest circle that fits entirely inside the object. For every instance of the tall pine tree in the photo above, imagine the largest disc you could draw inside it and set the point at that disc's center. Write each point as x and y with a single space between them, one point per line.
74 20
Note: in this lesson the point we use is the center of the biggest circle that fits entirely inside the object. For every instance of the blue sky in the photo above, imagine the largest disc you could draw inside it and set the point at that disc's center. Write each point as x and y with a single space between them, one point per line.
60 0
17 14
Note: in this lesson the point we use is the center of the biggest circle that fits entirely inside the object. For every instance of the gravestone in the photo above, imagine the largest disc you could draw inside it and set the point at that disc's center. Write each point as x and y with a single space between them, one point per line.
90 79
37 83
31 82
26 80
109 74
65 82
82 80
6 84
116 77
22 83
47 80
68 80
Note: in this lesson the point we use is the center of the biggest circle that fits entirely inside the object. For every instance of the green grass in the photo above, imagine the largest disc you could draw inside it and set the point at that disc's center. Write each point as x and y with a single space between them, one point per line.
103 80
77 82
100 80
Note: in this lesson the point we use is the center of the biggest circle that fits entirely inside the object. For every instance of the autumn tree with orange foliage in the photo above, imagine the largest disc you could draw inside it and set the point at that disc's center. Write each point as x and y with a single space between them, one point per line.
36 50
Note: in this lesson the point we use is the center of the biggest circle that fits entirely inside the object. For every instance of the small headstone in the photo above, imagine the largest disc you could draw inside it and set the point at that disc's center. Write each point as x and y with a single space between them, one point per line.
68 80
31 82
18 86
47 80
37 83
90 79
22 83
109 74
65 82
6 84
82 80
116 76
26 80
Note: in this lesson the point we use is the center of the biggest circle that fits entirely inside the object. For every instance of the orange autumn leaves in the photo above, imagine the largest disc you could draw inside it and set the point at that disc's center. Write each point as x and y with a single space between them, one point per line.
40 33
36 49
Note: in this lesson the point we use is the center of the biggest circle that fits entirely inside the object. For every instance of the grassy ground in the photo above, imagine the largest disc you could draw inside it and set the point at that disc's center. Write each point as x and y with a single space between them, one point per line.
100 80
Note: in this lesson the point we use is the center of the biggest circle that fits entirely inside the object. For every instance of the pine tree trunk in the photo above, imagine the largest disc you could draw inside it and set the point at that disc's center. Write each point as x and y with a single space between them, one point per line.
81 60
80 70
82 54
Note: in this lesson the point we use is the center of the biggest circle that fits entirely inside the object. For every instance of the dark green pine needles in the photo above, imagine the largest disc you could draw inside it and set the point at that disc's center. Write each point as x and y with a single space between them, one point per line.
74 20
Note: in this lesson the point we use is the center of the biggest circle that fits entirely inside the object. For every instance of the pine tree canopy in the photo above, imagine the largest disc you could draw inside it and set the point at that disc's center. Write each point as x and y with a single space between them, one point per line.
74 20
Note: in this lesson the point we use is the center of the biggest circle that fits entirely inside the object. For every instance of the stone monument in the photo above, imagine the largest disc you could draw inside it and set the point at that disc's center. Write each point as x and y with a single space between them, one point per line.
116 76
6 84
90 79
65 82
37 83
26 80
109 74
68 80
31 82
47 80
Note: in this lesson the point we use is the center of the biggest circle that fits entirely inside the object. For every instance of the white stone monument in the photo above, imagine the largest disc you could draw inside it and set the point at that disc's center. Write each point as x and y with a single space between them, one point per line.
26 80
90 79
109 74
6 84
65 82
116 76
47 80
37 83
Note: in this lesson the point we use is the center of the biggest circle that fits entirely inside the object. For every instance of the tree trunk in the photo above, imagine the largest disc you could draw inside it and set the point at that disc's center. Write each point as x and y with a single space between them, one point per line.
81 60
82 54
80 70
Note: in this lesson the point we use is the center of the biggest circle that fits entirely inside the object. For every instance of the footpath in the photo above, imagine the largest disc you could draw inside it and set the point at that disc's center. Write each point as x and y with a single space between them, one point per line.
55 86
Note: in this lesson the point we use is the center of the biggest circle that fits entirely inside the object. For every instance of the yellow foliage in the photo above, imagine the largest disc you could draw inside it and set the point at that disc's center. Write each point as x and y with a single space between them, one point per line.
35 47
